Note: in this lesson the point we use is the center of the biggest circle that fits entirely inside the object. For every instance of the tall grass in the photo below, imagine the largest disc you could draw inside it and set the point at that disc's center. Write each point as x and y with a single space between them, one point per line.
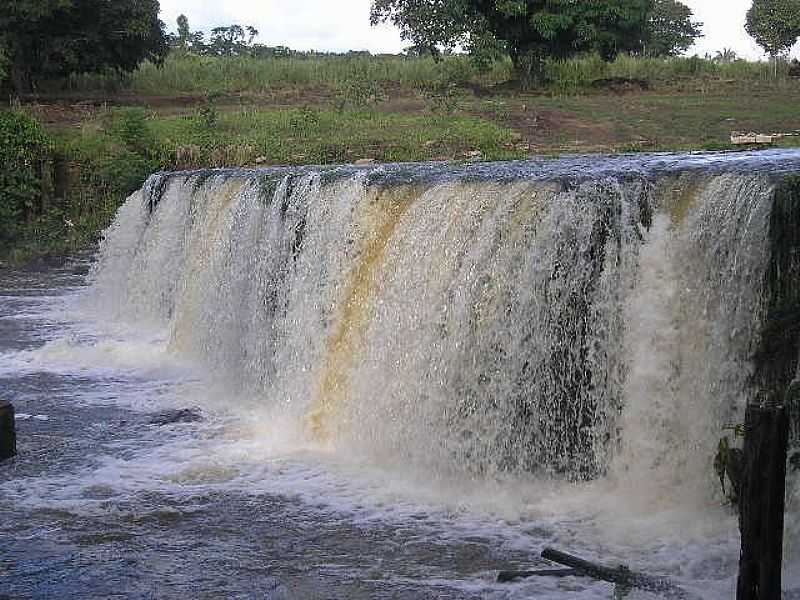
191 74
578 73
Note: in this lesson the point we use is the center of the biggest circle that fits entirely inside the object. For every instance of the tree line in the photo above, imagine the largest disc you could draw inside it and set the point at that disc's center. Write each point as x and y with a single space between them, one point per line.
534 31
232 40
49 39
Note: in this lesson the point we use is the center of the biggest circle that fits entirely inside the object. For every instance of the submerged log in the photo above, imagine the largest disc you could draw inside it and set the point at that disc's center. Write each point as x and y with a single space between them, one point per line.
762 503
621 576
8 435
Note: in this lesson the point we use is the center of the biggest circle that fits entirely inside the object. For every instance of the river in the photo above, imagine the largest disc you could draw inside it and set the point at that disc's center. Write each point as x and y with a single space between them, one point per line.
355 492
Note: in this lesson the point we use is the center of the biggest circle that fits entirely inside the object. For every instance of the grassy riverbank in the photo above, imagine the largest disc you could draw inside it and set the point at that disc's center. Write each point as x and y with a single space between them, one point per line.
200 111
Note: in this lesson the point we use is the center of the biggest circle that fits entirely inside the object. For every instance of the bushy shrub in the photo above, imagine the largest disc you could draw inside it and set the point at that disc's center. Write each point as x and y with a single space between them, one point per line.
126 168
124 172
129 126
23 148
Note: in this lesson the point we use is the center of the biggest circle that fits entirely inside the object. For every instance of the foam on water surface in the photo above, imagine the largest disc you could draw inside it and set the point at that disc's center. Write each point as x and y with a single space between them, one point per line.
445 370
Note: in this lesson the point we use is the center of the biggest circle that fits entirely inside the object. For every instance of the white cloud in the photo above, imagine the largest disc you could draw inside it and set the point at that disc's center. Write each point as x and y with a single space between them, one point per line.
337 25
723 26
332 25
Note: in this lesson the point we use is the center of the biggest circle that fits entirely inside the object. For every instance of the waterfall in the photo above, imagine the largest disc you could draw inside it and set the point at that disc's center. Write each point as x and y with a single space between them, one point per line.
576 317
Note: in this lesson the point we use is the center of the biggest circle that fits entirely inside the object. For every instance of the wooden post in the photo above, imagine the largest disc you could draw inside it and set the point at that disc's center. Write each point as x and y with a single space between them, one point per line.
8 436
762 503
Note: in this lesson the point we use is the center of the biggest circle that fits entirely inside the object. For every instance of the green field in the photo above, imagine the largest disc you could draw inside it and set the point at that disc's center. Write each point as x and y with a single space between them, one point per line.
322 109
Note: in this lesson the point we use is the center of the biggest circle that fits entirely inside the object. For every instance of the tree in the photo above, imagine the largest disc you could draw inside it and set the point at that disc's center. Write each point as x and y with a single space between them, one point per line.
415 51
725 56
233 40
530 30
184 33
54 38
774 25
187 40
670 30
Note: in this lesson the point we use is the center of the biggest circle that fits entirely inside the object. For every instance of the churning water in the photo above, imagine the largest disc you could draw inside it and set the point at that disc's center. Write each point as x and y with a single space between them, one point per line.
409 377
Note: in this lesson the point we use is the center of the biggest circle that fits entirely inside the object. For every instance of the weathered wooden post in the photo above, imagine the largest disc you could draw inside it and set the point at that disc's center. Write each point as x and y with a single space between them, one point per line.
761 505
8 436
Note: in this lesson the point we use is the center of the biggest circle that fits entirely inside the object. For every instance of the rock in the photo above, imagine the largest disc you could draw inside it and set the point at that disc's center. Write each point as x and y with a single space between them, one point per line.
361 162
8 434
173 417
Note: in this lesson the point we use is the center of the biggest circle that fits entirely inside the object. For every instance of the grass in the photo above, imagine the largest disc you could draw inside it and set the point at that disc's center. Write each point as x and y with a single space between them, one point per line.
308 136
250 137
186 74
113 152
217 112
191 74
576 75
673 121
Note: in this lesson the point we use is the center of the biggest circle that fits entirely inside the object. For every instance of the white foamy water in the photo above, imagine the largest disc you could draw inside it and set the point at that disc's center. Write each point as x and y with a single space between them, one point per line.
524 363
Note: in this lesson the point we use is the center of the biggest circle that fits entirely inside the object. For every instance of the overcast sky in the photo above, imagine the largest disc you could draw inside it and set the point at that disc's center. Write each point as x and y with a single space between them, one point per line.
336 25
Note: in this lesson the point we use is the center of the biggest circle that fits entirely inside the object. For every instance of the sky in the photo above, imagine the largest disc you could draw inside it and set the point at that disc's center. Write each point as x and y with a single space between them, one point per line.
338 25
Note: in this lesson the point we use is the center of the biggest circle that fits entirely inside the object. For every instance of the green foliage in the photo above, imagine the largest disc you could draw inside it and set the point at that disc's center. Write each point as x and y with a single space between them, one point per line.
193 74
207 118
53 38
129 126
125 171
725 56
304 120
233 40
229 41
325 77
101 164
441 95
186 40
531 31
670 30
117 153
359 92
774 24
184 33
23 148
309 136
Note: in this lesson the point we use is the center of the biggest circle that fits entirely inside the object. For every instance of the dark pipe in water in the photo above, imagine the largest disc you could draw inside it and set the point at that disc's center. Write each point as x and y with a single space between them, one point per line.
8 436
